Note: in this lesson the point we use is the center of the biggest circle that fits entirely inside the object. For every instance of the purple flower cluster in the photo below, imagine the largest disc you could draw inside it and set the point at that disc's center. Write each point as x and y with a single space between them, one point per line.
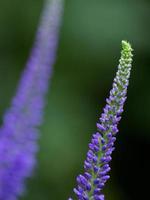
19 133
96 165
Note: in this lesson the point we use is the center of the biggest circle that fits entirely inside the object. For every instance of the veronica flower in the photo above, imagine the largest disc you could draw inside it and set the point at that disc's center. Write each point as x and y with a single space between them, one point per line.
96 165
19 133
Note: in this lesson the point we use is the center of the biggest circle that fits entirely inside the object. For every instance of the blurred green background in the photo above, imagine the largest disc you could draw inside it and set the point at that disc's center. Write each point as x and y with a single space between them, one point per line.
88 55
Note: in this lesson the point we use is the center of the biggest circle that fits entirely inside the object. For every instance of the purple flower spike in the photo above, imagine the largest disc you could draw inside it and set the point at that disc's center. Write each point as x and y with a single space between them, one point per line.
19 133
96 165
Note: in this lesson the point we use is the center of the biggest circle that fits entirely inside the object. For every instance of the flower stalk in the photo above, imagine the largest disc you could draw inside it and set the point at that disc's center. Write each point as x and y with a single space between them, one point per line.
96 165
19 133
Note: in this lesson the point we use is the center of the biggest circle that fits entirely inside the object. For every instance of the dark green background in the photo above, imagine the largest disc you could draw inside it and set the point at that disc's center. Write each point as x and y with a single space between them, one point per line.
88 55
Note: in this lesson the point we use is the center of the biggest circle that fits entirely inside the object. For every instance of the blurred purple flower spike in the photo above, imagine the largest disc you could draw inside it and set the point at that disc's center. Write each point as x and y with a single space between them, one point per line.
19 133
96 166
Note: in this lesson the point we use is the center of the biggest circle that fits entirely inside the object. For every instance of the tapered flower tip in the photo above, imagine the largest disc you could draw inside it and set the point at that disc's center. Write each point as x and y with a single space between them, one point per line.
126 46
